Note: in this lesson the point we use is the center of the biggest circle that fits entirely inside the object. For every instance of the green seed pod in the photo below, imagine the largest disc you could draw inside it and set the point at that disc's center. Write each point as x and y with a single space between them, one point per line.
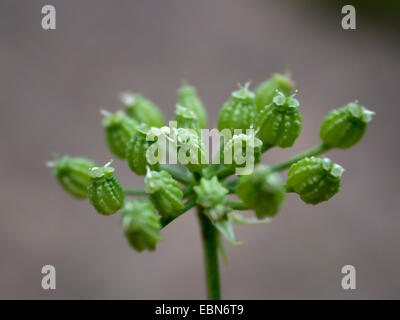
266 91
142 110
210 192
344 127
239 112
119 130
279 123
192 152
136 150
105 192
186 118
242 151
188 98
314 179
141 224
211 195
165 193
262 191
73 174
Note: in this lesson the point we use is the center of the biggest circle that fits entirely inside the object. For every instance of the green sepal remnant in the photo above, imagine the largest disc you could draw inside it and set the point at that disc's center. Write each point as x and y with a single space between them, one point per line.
141 224
266 91
262 191
315 179
73 174
279 123
239 112
119 130
142 109
165 193
188 98
104 191
344 127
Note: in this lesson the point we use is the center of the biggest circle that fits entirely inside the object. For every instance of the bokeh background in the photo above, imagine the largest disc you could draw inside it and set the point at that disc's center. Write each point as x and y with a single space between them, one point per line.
53 84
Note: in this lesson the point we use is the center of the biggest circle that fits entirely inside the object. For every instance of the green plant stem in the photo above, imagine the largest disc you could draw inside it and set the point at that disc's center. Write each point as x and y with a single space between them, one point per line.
188 205
210 238
224 173
308 153
238 205
135 191
187 191
177 174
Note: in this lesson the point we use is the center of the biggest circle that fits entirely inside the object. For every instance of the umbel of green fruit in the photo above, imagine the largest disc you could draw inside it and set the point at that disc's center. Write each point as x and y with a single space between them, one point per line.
73 174
104 191
188 98
136 150
165 192
266 91
262 191
314 179
119 130
239 112
142 110
344 127
279 123
141 224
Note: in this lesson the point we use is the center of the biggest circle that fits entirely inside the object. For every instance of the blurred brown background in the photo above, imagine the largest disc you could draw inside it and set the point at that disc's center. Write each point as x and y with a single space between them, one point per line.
53 83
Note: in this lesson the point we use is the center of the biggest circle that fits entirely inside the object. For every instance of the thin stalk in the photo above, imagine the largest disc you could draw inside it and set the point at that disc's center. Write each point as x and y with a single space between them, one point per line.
188 205
210 237
308 153
177 174
238 205
135 191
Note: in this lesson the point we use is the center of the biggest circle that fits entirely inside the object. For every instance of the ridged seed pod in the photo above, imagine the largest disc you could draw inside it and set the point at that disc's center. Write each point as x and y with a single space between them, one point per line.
314 179
266 91
211 195
244 150
186 118
188 98
262 191
192 152
136 150
105 192
165 193
119 130
279 123
239 112
210 192
344 127
142 110
141 224
73 174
